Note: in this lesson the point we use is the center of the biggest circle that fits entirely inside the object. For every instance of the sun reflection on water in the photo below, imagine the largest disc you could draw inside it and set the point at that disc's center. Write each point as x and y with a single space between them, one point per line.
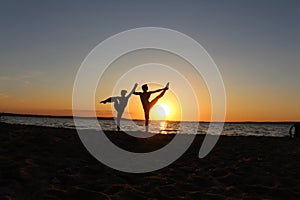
163 127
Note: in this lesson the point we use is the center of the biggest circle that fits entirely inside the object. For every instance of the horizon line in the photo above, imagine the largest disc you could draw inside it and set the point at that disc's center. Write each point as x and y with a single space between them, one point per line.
110 118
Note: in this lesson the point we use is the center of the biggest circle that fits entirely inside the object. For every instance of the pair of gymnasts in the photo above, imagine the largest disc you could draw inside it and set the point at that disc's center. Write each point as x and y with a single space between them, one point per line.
120 102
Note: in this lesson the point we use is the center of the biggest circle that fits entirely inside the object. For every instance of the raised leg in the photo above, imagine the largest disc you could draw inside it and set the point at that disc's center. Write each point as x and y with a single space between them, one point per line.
154 101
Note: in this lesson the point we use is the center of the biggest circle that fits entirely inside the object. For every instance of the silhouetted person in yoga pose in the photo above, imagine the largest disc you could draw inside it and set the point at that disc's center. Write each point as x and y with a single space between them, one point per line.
147 105
296 131
120 103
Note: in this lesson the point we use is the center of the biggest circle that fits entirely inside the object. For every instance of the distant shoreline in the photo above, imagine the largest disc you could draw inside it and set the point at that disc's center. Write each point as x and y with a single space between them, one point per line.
50 116
112 118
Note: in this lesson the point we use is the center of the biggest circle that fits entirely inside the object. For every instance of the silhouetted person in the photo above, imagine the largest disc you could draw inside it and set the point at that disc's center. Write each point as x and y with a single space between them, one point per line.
120 103
296 131
147 105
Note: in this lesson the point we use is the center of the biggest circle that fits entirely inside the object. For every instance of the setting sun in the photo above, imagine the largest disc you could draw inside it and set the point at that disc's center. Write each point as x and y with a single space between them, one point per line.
160 112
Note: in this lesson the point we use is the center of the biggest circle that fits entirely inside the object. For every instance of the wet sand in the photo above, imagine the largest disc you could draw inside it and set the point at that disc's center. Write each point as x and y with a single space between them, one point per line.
51 163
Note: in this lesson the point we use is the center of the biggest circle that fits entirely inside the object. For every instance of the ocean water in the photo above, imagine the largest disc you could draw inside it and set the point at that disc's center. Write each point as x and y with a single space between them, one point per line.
229 129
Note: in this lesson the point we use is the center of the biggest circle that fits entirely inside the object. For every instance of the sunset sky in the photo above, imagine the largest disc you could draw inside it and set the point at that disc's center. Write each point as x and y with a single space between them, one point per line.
255 44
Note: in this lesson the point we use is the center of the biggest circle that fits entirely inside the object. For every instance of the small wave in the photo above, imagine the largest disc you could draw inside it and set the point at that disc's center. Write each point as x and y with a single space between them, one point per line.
230 129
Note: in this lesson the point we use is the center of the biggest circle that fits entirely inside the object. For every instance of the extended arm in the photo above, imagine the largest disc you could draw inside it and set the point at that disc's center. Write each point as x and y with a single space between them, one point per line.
133 90
165 88
110 99
157 90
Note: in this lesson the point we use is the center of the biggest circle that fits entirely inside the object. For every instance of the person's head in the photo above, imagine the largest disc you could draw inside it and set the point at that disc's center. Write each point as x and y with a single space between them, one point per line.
123 93
145 87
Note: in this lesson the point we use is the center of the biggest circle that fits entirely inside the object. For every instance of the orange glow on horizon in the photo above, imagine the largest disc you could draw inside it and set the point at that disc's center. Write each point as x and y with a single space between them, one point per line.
244 102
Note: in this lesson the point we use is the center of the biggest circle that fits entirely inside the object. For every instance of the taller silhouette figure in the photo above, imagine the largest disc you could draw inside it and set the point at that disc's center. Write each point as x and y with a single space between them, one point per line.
120 103
147 105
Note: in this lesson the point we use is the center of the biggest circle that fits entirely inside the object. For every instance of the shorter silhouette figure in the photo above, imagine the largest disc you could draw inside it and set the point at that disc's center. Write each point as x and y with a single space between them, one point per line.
296 133
120 103
147 105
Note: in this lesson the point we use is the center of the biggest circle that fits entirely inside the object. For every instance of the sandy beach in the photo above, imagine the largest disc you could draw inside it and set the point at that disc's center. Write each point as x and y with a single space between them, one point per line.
51 163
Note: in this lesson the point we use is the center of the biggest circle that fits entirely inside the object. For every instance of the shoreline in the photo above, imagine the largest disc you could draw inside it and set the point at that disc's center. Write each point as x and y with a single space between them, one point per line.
141 132
52 163
112 118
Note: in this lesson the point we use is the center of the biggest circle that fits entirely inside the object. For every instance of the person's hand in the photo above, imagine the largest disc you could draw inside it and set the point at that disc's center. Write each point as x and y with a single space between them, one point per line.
134 87
167 86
